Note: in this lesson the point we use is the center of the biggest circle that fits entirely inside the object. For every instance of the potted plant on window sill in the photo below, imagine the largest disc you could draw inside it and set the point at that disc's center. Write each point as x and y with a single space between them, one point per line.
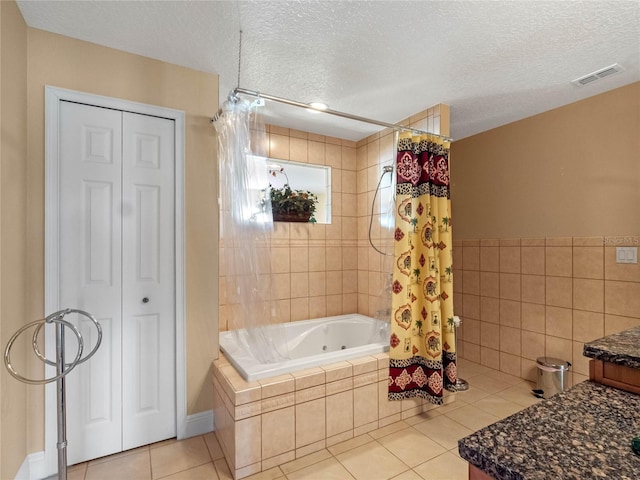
290 205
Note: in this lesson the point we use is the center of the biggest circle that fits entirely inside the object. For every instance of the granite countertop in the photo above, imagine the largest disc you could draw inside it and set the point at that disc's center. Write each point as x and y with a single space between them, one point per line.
582 433
622 348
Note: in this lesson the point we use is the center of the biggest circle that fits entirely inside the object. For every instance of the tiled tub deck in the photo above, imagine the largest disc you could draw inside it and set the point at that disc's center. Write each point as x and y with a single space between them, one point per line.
269 422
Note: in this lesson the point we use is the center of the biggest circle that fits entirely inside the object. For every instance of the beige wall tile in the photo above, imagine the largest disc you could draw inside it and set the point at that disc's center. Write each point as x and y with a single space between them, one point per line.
299 309
622 298
490 358
533 317
490 284
298 150
619 271
559 261
559 322
279 146
489 242
532 242
318 307
471 258
334 305
248 436
490 310
280 260
510 259
511 364
532 260
615 324
366 398
588 262
528 369
310 422
587 326
471 307
471 282
317 283
588 294
510 286
588 241
471 331
316 152
338 371
334 282
349 281
533 345
278 432
510 339
559 241
561 348
299 285
490 259
490 335
333 156
510 313
559 291
533 289
348 158
317 259
471 351
299 260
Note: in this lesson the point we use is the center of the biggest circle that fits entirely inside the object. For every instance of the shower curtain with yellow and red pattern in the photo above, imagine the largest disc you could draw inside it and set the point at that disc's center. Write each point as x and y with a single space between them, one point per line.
422 357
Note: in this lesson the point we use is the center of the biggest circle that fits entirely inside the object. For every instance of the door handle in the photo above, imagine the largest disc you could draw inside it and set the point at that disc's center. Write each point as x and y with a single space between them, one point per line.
145 300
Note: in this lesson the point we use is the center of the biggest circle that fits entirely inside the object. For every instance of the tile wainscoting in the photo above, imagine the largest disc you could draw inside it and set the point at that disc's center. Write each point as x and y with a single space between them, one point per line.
525 298
266 423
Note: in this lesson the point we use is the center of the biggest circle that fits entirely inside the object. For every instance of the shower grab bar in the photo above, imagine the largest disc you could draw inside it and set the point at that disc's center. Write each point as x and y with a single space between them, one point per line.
62 368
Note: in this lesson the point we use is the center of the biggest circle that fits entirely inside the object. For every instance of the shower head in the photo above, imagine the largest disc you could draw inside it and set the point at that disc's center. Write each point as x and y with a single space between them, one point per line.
387 169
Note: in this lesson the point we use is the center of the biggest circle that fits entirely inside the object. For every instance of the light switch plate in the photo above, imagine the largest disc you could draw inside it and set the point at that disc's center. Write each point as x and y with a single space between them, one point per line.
626 254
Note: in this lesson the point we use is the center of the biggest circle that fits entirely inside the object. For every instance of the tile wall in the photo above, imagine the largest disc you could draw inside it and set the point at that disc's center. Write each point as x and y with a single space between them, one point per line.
315 266
265 423
520 299
326 270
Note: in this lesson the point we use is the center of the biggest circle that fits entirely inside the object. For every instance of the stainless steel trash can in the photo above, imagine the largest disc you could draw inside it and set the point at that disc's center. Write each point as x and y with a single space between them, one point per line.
552 376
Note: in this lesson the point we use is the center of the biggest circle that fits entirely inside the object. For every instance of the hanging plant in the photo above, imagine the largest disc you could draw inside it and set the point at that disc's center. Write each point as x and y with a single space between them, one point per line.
290 205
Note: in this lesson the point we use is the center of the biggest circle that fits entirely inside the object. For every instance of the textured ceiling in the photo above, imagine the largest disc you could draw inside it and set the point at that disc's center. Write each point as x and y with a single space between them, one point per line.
493 62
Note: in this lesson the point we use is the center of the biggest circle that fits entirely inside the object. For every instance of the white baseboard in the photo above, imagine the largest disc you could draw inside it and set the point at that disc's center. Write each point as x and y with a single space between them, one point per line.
33 467
199 424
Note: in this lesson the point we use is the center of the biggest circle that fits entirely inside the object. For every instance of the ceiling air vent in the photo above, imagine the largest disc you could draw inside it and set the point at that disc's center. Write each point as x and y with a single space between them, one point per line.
603 72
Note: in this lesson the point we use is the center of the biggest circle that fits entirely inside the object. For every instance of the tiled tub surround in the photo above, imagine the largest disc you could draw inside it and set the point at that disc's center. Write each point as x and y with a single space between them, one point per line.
584 432
622 348
269 422
520 299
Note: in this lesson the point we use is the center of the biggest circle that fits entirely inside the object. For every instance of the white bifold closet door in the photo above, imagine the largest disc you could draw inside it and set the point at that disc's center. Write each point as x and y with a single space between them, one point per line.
117 262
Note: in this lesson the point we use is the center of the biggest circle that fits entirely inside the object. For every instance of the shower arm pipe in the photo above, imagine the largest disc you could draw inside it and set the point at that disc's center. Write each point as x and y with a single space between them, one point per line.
336 113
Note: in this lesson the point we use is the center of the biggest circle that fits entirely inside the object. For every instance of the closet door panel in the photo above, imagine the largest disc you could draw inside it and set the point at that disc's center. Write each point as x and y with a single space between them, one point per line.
148 220
90 273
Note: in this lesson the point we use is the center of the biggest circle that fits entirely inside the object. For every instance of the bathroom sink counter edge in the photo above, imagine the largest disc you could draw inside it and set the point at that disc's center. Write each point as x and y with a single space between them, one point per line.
584 432
622 348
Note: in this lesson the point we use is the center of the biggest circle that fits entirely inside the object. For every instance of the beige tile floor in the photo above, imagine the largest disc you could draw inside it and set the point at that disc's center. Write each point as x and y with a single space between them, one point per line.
421 447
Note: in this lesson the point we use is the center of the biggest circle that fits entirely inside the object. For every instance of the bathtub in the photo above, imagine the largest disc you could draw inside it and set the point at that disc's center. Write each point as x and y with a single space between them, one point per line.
312 343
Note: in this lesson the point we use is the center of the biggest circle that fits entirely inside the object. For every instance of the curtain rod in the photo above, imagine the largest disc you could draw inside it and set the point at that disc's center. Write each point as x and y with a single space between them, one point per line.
336 113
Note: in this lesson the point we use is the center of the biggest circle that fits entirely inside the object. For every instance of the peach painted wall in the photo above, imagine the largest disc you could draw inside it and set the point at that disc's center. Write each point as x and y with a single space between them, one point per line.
314 265
539 206
14 410
68 63
571 171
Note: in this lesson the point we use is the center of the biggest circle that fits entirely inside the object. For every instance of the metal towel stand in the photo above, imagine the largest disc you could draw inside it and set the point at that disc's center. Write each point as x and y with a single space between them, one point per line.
62 369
